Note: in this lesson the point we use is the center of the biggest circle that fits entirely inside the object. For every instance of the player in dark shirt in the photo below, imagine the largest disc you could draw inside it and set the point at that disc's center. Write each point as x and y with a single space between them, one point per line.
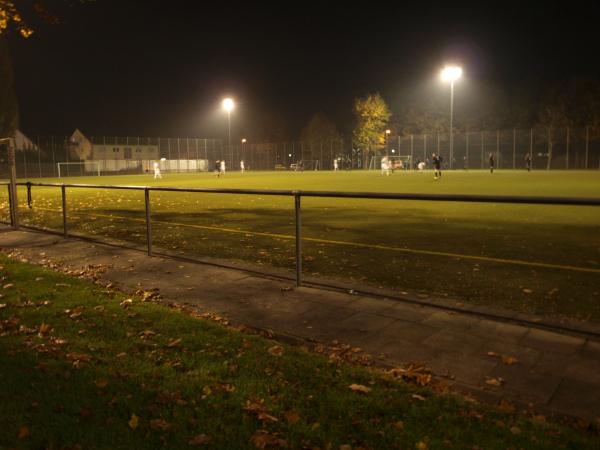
437 166
528 162
492 162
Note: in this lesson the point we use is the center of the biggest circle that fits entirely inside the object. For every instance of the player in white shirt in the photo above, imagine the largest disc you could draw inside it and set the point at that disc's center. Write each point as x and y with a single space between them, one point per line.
385 166
335 164
421 166
157 170
222 167
242 166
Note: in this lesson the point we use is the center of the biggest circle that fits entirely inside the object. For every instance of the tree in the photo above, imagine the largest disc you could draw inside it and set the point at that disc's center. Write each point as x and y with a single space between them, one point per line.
9 110
554 115
372 115
318 130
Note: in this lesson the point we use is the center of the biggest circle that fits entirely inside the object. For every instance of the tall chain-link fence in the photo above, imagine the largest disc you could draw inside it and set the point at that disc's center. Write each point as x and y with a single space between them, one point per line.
560 148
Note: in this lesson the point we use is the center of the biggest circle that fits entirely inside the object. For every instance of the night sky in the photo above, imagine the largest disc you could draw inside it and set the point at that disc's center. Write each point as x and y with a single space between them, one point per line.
160 68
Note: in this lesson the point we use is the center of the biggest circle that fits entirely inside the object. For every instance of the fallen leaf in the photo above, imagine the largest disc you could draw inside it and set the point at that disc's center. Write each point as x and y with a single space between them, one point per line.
506 406
86 412
2 305
345 447
174 343
493 354
509 360
126 303
359 388
421 445
494 381
399 425
101 384
527 291
276 350
44 328
292 417
418 397
515 430
160 424
133 422
263 439
23 432
200 439
8 286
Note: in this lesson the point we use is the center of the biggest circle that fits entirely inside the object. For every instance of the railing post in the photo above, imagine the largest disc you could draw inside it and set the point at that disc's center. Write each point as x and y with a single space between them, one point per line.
63 190
298 239
148 225
10 205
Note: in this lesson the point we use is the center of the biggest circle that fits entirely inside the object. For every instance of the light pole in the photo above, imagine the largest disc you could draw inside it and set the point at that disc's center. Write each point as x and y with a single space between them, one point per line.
451 74
387 135
228 106
243 149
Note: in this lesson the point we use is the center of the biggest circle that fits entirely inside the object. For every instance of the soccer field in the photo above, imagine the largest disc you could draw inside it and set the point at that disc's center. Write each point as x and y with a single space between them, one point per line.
541 259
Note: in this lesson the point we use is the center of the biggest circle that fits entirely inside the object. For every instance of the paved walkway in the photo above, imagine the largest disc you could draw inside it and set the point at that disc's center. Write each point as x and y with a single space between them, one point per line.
553 372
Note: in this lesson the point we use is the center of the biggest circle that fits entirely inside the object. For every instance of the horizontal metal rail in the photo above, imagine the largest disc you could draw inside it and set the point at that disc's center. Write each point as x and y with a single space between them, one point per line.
531 200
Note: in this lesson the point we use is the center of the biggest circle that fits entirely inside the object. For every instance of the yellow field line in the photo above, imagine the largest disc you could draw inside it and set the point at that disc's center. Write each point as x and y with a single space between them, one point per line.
356 244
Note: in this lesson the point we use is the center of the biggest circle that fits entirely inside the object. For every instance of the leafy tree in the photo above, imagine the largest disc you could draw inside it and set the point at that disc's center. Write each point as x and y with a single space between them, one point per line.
11 17
372 116
554 115
9 110
318 130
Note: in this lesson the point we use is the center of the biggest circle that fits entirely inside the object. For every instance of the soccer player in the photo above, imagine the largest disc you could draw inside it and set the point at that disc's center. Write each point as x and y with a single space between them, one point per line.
242 166
222 167
492 162
385 166
421 166
437 166
335 164
528 162
218 168
157 170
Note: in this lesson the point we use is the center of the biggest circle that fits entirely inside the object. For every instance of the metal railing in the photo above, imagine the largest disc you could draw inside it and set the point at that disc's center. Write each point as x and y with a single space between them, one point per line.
297 195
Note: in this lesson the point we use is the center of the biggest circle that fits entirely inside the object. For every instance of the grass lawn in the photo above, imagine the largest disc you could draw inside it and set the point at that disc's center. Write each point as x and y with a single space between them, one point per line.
84 367
494 254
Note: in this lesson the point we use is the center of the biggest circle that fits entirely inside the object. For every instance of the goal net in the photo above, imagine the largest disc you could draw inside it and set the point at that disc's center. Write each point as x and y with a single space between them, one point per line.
305 164
398 162
78 169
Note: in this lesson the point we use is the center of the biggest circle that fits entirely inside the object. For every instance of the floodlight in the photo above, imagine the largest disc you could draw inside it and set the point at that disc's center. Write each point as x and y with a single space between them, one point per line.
451 73
228 104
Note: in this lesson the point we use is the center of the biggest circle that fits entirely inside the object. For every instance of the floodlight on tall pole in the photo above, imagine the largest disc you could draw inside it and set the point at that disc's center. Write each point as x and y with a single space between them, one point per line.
387 134
451 74
228 106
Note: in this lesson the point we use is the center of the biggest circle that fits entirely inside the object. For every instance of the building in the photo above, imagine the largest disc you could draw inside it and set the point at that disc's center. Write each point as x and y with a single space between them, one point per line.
80 147
20 142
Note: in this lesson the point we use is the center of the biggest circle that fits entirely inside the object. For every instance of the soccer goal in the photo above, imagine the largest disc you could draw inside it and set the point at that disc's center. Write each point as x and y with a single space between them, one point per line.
398 162
305 164
78 169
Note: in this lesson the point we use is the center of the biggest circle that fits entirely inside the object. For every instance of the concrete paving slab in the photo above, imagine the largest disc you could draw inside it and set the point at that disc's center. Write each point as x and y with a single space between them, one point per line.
400 352
492 329
408 331
527 385
577 398
451 320
552 341
471 370
454 341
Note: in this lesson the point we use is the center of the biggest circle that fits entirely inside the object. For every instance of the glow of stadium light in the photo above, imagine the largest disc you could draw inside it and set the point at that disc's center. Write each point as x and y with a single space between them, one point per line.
243 140
451 73
228 104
